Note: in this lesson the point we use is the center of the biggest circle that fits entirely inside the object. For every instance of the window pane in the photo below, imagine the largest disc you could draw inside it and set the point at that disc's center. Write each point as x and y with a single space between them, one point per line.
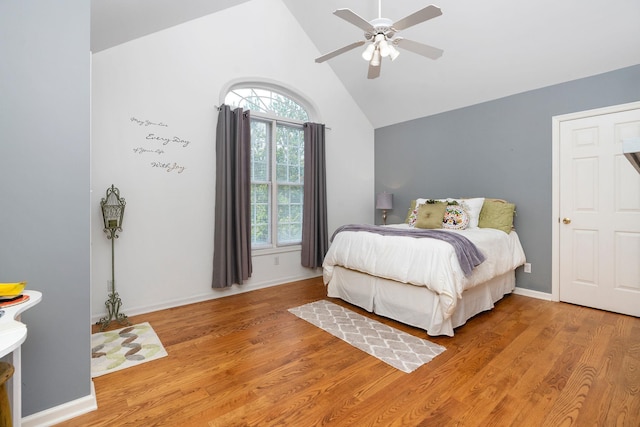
266 101
289 154
286 107
289 214
260 215
289 176
260 184
260 144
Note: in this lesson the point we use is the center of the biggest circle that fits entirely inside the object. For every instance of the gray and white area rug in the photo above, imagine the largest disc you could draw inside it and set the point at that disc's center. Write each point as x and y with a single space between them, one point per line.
396 348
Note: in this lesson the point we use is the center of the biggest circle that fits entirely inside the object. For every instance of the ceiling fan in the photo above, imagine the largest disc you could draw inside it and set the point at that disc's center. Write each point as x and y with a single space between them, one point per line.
380 33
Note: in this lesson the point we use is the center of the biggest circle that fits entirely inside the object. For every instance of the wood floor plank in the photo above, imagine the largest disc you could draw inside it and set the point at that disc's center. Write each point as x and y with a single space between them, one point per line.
607 362
244 360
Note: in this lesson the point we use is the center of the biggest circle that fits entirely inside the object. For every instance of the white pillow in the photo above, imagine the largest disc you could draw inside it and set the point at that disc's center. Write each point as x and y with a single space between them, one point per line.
423 201
473 207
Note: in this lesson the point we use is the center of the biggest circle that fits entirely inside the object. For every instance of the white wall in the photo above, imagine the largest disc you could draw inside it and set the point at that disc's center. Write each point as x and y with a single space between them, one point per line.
173 79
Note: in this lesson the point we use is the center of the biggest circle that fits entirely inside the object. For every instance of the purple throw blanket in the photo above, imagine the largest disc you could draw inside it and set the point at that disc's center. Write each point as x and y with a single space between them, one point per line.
469 256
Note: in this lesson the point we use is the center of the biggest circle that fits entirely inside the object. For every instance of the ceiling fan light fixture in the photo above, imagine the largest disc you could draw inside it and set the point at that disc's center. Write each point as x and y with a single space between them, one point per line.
393 52
375 60
367 54
384 48
380 37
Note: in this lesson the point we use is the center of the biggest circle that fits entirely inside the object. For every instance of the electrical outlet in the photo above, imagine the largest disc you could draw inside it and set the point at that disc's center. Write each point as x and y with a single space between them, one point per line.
276 260
527 267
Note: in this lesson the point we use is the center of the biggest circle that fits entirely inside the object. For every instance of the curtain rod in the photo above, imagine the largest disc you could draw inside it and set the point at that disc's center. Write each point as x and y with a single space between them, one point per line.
217 107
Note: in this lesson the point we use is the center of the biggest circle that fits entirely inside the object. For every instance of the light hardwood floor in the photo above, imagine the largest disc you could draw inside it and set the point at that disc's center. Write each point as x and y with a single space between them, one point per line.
244 360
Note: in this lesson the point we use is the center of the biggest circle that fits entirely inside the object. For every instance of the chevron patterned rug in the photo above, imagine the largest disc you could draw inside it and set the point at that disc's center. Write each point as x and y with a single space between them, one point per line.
396 348
115 350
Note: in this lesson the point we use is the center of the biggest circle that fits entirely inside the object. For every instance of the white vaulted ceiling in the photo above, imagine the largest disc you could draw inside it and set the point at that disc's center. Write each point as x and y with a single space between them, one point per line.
492 48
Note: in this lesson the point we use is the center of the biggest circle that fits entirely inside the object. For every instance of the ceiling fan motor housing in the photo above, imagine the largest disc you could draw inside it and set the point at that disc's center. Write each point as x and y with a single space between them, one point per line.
381 26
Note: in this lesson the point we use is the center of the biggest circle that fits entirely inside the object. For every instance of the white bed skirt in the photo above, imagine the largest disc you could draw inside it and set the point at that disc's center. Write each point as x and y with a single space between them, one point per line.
416 305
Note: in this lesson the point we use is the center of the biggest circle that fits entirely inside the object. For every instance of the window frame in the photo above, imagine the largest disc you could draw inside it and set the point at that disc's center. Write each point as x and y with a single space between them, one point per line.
273 121
273 183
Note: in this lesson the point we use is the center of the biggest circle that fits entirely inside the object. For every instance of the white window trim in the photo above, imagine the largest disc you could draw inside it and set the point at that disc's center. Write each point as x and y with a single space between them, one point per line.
312 115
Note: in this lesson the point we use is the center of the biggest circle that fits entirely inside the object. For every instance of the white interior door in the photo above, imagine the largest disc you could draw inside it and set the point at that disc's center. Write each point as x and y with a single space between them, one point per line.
599 209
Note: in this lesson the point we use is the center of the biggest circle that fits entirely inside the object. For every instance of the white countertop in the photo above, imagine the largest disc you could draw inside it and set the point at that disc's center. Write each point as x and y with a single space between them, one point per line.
12 331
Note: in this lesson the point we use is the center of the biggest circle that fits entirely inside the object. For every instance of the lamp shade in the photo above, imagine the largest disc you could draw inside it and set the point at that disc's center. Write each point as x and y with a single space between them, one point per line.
367 55
375 60
393 52
384 201
384 48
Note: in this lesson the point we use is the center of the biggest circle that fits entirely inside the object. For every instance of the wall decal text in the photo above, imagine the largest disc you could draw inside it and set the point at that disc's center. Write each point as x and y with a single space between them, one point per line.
165 140
169 167
157 144
147 122
141 150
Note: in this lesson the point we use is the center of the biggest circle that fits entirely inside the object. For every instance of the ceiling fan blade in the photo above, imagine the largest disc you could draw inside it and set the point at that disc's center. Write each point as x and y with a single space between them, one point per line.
339 51
422 15
374 71
419 48
350 16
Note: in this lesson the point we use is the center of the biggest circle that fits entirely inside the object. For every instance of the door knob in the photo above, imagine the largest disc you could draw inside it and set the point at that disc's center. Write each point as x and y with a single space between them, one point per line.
566 220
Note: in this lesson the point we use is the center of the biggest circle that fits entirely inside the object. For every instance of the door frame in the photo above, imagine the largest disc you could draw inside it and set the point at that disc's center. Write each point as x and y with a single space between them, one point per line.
555 193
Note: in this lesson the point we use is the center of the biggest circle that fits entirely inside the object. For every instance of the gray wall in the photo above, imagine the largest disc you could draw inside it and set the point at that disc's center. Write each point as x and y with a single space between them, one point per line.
44 189
500 149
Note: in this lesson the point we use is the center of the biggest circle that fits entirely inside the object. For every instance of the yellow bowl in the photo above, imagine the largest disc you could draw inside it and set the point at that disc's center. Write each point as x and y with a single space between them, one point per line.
11 289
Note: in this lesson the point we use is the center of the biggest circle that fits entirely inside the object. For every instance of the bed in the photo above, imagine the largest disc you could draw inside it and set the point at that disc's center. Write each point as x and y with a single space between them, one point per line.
423 281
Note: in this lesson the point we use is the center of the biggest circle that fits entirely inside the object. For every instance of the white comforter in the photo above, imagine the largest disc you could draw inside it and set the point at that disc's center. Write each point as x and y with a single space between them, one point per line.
424 261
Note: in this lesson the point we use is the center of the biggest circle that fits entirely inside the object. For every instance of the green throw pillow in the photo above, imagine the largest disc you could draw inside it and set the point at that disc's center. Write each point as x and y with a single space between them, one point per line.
497 214
430 215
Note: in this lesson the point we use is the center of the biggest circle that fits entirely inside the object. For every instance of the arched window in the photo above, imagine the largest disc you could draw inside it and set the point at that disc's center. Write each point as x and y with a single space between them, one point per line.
266 101
277 164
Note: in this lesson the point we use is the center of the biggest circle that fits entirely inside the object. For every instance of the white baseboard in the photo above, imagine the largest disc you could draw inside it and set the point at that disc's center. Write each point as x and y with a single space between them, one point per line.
533 294
218 293
63 412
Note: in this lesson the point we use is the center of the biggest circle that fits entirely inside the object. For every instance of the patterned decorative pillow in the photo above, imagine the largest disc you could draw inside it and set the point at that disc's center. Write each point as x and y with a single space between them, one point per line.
412 214
455 218
413 217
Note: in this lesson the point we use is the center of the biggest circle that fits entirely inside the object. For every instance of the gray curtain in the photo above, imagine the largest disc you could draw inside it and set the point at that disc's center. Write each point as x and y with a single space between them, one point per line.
232 234
315 241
